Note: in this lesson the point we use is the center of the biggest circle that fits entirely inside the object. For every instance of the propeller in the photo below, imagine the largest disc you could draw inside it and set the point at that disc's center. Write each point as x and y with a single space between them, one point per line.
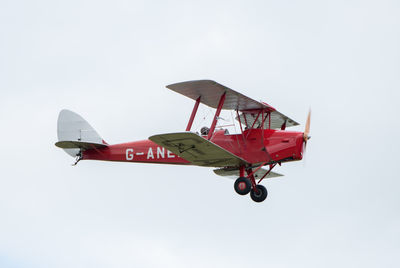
306 133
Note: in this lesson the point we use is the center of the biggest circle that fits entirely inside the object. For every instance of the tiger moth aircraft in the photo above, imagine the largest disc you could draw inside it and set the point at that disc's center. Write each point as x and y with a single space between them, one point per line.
263 140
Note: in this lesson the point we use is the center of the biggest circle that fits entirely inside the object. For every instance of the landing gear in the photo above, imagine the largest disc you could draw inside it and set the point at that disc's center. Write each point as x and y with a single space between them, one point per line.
242 185
78 157
259 193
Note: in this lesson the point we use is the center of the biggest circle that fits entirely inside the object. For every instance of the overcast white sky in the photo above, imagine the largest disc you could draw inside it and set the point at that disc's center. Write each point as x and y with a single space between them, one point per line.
110 61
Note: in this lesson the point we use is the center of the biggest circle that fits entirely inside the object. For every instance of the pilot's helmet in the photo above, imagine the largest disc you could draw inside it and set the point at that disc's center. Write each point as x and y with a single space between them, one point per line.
204 131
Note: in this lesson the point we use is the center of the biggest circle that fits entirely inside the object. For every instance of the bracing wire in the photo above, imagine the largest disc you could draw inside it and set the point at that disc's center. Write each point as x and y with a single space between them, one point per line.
206 113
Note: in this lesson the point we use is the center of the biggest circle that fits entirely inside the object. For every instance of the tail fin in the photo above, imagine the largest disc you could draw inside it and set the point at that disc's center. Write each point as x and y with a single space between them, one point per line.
75 134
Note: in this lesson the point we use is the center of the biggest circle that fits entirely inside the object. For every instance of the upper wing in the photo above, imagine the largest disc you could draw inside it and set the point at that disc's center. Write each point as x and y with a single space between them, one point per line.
234 173
210 93
197 150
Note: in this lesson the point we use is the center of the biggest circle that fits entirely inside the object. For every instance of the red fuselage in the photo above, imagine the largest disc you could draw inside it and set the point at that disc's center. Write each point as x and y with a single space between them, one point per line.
254 145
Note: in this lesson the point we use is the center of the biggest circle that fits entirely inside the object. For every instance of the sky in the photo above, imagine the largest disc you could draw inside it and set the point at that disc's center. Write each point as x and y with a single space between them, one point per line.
110 61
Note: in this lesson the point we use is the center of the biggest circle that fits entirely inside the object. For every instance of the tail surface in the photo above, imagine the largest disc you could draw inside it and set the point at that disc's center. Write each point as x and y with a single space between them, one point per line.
75 134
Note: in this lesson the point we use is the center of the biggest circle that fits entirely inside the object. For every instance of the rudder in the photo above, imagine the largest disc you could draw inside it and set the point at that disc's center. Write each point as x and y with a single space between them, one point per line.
76 134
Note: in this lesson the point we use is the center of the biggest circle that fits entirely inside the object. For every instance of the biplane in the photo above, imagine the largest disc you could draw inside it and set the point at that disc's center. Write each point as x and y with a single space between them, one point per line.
248 156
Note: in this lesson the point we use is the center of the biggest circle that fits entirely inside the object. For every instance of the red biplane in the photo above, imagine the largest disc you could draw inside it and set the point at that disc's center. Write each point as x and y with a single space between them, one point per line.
263 140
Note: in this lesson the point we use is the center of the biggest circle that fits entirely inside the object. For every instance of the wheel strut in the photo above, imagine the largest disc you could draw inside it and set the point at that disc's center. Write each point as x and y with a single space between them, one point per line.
252 180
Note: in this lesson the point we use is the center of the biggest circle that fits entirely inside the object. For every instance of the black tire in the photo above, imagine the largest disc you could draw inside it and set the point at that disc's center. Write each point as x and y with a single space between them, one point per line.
242 186
261 195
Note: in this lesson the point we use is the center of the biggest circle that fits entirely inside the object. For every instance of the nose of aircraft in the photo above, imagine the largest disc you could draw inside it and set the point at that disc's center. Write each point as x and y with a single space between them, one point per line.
299 145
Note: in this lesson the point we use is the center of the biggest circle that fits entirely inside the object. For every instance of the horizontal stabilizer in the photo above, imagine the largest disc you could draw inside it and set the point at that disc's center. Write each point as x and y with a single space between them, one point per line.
234 173
197 150
79 145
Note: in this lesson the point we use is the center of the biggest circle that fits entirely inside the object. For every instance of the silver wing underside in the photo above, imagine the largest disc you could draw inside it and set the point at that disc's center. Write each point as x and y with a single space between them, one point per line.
234 173
210 93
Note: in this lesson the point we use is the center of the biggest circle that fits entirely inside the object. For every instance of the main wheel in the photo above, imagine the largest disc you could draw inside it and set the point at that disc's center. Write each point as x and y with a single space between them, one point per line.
260 195
242 186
